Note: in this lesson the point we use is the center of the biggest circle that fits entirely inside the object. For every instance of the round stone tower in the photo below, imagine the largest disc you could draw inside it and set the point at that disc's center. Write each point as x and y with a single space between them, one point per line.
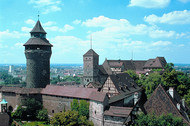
38 53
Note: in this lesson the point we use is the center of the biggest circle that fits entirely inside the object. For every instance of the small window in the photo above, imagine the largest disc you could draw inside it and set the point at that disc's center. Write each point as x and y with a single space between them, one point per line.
52 111
108 88
95 111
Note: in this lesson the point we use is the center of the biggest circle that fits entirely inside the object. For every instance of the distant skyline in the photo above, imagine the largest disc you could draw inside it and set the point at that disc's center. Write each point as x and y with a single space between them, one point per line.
120 29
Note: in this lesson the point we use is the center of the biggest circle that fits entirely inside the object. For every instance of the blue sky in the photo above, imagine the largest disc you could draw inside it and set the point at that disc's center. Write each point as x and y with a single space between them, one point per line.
148 28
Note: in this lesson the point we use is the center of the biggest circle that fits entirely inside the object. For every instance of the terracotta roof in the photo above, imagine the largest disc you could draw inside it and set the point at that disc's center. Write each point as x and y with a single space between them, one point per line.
38 28
118 111
159 62
9 89
37 41
29 91
97 96
161 102
115 63
74 92
20 90
91 52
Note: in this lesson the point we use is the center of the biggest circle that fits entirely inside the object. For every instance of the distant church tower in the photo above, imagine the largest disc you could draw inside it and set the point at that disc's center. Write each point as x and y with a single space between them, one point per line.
90 66
38 53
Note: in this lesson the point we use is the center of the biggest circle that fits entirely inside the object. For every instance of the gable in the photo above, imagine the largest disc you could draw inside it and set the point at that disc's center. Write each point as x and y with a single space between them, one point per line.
161 103
109 86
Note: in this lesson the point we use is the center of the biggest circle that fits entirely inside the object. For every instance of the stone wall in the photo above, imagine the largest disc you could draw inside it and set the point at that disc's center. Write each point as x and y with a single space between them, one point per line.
113 121
55 104
11 98
96 110
38 68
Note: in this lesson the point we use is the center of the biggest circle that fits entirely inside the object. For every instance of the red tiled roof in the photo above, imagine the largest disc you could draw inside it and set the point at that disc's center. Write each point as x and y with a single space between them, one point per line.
159 62
161 103
20 90
118 111
75 92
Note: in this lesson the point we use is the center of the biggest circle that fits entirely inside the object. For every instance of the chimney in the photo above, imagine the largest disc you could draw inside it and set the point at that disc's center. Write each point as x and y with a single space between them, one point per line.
171 92
135 97
178 106
183 102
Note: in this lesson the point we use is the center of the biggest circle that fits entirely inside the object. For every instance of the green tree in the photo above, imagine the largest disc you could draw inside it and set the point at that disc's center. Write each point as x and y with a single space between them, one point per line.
163 120
28 109
69 118
133 75
42 115
75 105
84 108
170 79
151 82
169 67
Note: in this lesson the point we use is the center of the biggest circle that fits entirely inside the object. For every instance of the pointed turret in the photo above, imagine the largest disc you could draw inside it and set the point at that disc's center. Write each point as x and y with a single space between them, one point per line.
38 28
38 36
38 53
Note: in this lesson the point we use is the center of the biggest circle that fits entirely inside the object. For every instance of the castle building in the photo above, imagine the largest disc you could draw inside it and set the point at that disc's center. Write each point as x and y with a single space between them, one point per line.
38 53
93 72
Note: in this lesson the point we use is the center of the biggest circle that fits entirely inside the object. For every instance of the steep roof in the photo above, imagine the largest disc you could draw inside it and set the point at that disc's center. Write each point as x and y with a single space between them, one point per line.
159 62
37 41
118 111
125 94
161 102
38 28
91 52
74 92
122 81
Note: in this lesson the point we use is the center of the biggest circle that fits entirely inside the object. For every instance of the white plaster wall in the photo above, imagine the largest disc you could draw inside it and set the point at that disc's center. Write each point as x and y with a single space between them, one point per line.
96 113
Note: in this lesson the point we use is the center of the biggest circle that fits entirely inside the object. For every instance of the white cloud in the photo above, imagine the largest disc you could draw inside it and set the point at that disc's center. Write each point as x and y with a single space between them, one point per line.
26 29
175 17
19 44
149 3
161 34
49 23
66 28
161 43
113 29
51 9
76 21
13 34
64 45
47 5
184 1
30 22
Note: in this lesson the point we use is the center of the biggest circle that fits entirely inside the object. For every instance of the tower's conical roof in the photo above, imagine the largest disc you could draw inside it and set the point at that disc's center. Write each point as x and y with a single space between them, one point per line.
38 28
91 52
